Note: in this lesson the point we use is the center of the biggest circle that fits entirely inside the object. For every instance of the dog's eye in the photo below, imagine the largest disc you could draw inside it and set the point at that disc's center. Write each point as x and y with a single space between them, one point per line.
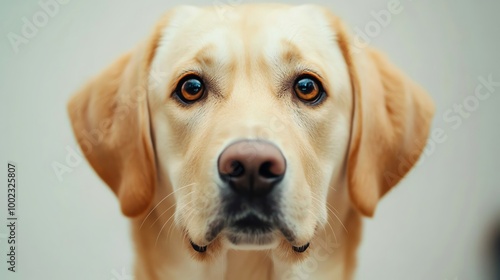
190 89
308 89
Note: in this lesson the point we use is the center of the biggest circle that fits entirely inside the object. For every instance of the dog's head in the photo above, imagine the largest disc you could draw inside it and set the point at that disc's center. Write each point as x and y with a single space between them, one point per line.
247 120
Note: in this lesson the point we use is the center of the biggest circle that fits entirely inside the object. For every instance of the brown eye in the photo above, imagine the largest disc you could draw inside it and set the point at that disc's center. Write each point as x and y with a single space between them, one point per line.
190 89
308 89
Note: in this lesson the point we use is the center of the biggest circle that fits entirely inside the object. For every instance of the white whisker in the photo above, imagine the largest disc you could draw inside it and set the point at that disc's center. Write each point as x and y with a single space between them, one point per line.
162 201
159 216
164 224
336 217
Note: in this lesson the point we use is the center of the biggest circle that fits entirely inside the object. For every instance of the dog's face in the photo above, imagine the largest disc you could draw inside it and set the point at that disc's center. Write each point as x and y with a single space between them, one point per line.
249 119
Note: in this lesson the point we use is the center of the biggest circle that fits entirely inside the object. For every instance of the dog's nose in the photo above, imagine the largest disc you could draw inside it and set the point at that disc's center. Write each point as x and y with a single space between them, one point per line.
252 167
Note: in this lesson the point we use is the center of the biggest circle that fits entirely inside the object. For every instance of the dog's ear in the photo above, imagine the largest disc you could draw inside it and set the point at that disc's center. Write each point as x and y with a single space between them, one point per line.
110 118
391 122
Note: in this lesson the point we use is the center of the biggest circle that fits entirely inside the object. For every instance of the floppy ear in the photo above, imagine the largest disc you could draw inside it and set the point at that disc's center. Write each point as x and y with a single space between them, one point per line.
391 122
110 119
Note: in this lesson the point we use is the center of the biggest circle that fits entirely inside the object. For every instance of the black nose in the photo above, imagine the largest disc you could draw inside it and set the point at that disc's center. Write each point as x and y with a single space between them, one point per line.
252 167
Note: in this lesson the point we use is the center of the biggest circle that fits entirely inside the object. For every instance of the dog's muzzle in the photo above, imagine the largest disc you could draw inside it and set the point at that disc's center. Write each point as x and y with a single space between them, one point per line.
251 172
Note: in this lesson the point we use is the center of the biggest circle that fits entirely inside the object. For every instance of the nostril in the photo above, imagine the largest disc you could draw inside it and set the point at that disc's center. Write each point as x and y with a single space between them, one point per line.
237 169
251 172
265 170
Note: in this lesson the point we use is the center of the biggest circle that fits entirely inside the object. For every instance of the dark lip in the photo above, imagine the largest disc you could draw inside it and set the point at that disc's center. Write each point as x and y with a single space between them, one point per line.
251 224
240 238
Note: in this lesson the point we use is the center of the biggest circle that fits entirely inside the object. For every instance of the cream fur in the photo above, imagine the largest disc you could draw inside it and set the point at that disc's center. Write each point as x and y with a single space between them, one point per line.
160 157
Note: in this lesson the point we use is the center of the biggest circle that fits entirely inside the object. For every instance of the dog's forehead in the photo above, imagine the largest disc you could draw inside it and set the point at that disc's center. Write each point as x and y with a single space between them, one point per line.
271 32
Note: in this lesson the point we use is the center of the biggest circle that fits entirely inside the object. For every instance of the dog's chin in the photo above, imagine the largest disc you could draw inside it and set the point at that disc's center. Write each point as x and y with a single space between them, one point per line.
251 240
249 232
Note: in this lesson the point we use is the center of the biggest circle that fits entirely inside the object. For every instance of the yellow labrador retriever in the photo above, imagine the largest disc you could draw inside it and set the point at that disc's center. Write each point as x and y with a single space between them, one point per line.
249 144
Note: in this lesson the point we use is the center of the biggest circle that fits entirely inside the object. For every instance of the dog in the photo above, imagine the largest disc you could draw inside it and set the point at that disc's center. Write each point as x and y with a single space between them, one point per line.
249 144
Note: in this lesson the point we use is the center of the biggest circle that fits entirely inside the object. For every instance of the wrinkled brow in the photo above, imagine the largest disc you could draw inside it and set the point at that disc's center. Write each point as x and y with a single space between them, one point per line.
290 53
290 62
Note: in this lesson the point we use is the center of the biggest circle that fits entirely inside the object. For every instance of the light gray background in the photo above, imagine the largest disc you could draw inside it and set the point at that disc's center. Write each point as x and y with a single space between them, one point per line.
432 226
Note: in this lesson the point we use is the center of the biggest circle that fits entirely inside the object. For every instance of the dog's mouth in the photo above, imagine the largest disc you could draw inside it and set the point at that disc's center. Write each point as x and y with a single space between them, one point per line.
249 232
251 224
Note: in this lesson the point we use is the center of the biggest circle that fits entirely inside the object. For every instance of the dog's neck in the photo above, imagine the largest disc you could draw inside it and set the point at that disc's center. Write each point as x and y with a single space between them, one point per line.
331 254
